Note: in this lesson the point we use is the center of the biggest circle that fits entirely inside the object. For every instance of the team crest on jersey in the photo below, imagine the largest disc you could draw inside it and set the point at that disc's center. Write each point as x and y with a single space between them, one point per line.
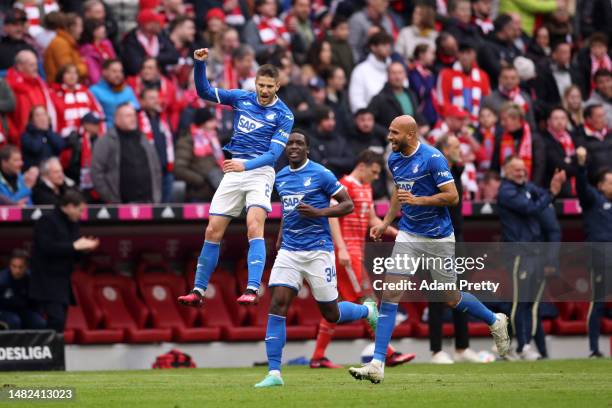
291 201
271 116
405 185
247 125
308 181
415 168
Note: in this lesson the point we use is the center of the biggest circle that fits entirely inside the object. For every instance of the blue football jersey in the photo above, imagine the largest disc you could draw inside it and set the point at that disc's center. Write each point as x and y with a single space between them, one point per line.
422 173
311 184
255 126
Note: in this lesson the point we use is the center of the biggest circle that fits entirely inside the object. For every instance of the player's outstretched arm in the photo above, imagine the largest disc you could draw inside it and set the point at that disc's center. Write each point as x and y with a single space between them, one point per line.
203 87
374 221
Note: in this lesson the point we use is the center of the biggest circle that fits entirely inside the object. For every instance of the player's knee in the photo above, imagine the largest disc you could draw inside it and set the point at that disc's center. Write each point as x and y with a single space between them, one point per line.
214 233
279 306
254 229
331 316
452 299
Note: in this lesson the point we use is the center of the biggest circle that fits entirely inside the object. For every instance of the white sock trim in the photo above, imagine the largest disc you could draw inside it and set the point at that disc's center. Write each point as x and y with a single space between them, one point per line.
275 373
256 289
200 291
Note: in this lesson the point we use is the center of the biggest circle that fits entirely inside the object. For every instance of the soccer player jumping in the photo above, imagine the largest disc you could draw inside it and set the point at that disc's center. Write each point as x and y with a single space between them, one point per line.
262 123
306 249
424 187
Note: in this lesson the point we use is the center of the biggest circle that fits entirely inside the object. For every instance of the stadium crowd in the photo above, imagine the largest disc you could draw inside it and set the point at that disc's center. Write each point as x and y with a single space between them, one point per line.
99 95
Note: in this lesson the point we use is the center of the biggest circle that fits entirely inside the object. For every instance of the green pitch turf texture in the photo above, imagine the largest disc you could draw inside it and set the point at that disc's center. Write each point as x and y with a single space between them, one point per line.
569 383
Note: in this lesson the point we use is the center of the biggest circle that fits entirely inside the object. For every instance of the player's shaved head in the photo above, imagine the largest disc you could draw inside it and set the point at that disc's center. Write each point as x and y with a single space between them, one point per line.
403 134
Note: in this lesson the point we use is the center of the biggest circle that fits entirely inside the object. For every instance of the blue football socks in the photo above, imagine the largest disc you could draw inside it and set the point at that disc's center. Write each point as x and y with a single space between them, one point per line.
349 312
384 330
256 260
207 262
276 335
471 305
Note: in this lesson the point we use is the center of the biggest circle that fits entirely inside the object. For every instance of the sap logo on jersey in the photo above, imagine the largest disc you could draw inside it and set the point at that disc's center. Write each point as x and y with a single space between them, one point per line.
247 125
405 185
291 201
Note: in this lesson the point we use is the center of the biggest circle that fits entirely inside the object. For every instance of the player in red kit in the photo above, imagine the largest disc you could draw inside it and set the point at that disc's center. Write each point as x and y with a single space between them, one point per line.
349 234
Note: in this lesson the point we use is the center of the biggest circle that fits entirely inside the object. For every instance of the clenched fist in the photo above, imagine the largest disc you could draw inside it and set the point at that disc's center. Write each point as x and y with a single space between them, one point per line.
581 155
200 54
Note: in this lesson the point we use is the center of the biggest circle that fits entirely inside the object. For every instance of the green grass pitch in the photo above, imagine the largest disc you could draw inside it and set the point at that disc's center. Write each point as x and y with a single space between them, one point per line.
569 383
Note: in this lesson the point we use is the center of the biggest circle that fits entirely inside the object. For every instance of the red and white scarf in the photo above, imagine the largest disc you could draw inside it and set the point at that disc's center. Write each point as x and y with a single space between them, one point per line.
34 13
205 144
271 29
597 64
515 96
525 151
473 83
145 127
487 147
151 46
73 104
485 24
566 142
598 134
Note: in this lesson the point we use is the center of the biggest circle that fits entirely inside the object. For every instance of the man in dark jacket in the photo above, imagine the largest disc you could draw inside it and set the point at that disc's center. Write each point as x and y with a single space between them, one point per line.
56 246
395 99
499 49
596 137
14 40
52 183
17 311
560 150
460 24
555 76
596 206
520 205
148 34
328 147
125 167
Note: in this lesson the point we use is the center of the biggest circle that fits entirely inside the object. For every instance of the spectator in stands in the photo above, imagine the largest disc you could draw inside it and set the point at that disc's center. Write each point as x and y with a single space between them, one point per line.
199 158
560 151
369 77
112 90
55 251
97 10
510 91
219 66
39 141
596 204
596 137
328 147
52 183
52 22
95 48
125 167
30 91
342 54
482 12
300 27
367 134
7 105
602 94
395 99
15 38
182 32
521 204
172 9
265 32
295 95
336 97
147 40
422 31
460 24
538 49
572 103
519 139
589 61
464 85
528 9
151 77
17 311
71 100
319 56
215 25
486 134
153 124
422 82
498 49
15 186
555 76
64 48
78 167
446 52
373 19
243 61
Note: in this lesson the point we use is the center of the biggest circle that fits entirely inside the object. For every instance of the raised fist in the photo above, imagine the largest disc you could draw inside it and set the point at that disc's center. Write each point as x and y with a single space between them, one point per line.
200 54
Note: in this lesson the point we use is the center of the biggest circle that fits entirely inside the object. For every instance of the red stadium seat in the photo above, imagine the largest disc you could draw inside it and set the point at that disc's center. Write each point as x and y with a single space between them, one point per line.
159 294
152 263
112 301
572 318
77 330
